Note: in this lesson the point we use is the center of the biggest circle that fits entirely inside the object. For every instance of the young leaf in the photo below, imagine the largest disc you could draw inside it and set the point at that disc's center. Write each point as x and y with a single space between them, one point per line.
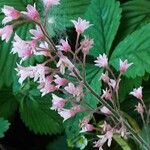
4 126
60 16
105 17
36 114
134 48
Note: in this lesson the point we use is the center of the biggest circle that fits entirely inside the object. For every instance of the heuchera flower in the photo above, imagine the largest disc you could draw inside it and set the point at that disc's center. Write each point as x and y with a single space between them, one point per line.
137 93
86 126
124 65
81 25
71 89
24 73
105 77
102 61
86 45
57 102
103 139
107 94
11 14
112 83
49 3
32 13
6 32
37 33
139 108
68 113
105 110
63 63
25 49
46 86
64 46
60 81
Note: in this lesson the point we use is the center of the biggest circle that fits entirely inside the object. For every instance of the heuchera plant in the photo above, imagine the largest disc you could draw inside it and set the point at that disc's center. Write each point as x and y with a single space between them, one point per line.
61 73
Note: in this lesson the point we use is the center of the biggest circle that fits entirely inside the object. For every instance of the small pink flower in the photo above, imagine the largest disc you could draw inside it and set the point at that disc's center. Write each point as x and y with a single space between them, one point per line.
107 94
102 61
86 45
68 113
112 83
63 63
37 34
107 137
81 25
24 73
25 49
49 3
71 89
43 49
6 32
105 111
86 126
10 13
106 127
60 81
64 46
32 13
124 66
139 108
57 102
137 93
105 77
46 86
40 71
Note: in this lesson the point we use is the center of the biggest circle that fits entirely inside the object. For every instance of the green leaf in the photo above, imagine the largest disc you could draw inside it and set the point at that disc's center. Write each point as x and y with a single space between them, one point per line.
36 114
134 48
4 126
93 78
105 17
136 13
60 16
8 103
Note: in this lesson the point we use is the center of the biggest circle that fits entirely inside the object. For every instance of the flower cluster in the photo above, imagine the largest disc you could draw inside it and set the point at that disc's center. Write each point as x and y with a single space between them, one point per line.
59 74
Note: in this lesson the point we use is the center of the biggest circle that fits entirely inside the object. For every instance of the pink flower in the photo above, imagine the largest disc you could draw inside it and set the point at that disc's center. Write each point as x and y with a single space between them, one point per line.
103 139
139 108
46 86
105 111
137 93
25 49
10 13
71 89
86 45
124 66
24 73
64 45
86 126
57 102
40 71
63 63
32 13
60 81
43 49
38 34
102 61
105 77
81 25
49 3
107 94
6 32
112 83
68 113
